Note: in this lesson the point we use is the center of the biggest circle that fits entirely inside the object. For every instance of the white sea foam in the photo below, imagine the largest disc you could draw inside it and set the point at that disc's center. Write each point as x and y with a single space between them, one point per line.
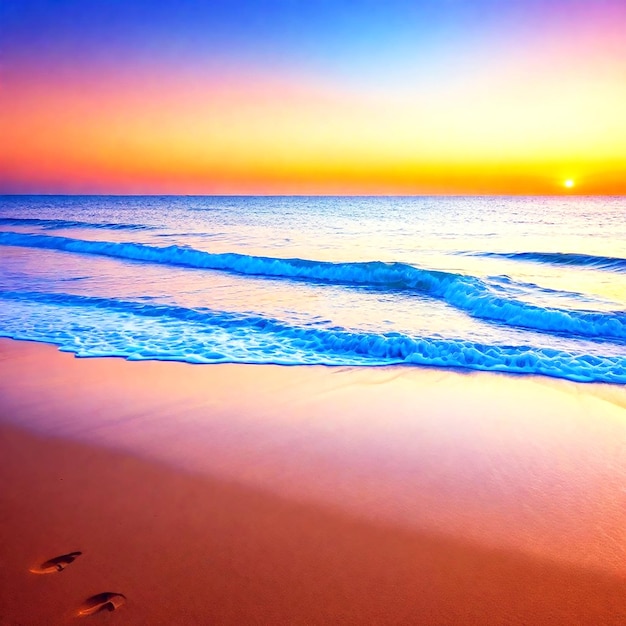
336 281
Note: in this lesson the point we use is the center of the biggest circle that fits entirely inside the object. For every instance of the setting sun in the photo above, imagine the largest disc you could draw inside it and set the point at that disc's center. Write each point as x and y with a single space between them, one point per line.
301 100
569 183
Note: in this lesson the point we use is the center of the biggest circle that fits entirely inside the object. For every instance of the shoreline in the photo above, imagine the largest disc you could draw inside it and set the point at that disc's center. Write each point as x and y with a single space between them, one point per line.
260 494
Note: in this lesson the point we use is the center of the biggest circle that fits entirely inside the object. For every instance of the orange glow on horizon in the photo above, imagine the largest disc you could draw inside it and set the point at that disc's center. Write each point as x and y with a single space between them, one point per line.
188 134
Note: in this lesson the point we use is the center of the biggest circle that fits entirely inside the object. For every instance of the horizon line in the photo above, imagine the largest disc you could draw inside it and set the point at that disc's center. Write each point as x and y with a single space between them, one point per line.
320 195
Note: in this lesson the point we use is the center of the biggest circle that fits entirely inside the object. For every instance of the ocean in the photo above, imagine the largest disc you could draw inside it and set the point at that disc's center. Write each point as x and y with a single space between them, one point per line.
525 285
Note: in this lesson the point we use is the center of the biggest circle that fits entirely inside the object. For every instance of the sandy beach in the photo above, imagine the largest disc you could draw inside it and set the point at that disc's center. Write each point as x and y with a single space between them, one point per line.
238 494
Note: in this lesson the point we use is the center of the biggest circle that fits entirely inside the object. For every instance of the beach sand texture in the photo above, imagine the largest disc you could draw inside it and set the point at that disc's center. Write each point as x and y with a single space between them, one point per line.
268 495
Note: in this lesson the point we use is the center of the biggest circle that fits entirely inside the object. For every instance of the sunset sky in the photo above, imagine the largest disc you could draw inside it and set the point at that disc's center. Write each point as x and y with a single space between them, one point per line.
313 97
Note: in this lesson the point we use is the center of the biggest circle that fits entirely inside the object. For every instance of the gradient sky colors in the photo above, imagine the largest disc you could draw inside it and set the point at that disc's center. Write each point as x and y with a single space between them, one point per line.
326 96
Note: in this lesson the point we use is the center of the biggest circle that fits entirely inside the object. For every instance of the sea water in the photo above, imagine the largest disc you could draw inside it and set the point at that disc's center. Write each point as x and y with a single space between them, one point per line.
528 285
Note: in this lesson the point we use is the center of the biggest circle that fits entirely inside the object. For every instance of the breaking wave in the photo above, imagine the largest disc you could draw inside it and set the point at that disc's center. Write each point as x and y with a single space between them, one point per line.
476 297
615 264
94 326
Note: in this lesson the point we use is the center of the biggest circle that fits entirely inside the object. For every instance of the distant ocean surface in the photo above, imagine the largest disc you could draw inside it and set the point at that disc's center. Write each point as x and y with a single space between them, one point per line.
511 284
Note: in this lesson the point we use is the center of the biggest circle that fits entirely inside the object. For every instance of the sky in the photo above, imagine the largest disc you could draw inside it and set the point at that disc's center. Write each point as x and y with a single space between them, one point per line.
313 97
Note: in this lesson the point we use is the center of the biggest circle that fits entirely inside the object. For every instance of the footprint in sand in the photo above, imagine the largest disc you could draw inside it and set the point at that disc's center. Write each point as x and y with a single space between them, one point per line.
107 601
57 564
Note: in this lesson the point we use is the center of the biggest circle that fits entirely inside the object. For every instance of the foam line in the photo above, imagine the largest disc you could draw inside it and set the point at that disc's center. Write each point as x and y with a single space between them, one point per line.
92 326
467 293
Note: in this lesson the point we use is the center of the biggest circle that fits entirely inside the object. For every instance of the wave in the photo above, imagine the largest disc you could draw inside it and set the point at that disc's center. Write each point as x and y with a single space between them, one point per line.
217 337
50 224
615 264
470 294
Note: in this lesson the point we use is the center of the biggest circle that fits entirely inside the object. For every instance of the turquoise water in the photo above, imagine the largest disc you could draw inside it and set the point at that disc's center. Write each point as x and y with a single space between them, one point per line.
525 285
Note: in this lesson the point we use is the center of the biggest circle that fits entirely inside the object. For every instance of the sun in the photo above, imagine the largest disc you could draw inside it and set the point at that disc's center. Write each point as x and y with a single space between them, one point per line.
569 183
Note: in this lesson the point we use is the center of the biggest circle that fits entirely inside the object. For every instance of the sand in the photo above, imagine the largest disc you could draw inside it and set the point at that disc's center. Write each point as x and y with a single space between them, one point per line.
268 495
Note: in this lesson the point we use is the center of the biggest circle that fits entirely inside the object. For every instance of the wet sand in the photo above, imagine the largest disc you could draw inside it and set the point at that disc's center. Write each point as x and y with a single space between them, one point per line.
267 495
